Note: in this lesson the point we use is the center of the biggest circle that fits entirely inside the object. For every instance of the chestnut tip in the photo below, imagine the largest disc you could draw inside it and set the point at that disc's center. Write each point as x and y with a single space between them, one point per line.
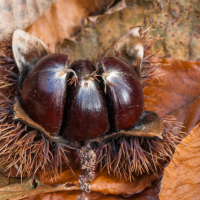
139 27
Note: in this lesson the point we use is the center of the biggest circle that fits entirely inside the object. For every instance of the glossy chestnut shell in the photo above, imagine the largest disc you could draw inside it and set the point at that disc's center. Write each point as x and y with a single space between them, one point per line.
86 115
44 92
109 96
125 100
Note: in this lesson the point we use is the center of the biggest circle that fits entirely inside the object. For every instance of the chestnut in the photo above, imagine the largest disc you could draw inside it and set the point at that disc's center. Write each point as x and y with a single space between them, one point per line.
44 91
86 114
124 93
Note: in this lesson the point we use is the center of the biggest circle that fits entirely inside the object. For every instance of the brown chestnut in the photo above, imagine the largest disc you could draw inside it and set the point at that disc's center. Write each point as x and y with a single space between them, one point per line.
124 93
86 114
44 92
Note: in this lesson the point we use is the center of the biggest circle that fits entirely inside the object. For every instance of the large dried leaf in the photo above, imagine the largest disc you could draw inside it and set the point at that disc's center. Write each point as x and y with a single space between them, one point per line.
176 21
178 92
65 185
148 194
106 183
65 18
112 185
182 176
20 14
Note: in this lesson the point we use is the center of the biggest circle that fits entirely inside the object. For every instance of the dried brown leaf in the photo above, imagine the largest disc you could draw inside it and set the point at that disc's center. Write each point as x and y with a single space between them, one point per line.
65 18
176 21
20 14
105 183
181 176
177 92
148 194
65 186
